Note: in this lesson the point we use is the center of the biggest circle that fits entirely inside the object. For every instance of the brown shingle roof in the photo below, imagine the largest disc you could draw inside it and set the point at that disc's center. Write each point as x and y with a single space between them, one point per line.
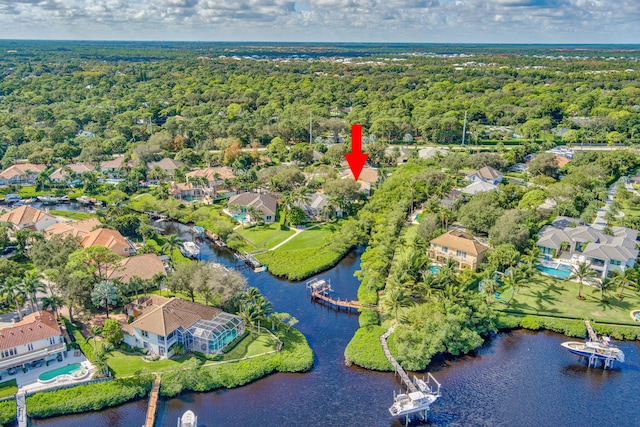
33 327
265 202
21 169
144 266
116 163
171 314
62 173
460 241
165 164
25 215
209 173
76 229
369 175
108 238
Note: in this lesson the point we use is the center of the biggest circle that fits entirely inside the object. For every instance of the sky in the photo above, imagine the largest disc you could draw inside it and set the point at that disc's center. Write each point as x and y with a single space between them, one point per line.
422 21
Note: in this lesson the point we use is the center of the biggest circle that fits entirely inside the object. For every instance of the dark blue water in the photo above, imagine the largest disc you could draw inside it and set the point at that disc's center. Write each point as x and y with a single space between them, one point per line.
517 379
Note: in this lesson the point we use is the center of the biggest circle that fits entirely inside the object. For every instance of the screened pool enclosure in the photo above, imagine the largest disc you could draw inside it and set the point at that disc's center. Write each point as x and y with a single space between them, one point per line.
211 336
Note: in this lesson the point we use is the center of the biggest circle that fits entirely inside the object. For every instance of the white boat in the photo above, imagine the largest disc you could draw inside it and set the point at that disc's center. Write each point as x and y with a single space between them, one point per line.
12 198
603 350
190 250
188 419
412 402
48 199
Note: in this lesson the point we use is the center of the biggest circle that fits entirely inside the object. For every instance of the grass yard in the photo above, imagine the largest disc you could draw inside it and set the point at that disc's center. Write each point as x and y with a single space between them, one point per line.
252 346
76 216
547 296
265 236
126 365
312 238
8 388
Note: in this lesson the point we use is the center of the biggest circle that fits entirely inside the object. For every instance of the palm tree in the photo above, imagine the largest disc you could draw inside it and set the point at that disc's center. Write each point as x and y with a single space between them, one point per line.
171 243
396 299
581 271
606 285
11 292
105 293
255 214
42 180
31 285
264 308
515 279
53 302
627 278
93 333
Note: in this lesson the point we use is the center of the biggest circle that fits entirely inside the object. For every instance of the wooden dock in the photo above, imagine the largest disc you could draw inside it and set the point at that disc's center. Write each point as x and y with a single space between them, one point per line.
396 366
153 401
592 334
320 290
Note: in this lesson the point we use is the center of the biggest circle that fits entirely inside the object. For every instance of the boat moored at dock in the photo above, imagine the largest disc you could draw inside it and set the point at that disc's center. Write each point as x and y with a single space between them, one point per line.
597 349
190 250
188 419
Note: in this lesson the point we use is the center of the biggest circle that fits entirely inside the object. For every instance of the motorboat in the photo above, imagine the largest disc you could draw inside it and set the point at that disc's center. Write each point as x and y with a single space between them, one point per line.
602 349
12 198
408 403
48 199
190 249
188 419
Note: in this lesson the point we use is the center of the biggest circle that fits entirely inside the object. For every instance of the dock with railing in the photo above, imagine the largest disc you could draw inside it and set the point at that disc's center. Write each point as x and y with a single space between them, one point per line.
320 290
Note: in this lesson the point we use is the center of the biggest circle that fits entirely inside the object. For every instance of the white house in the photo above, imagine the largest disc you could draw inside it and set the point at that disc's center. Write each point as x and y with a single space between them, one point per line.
161 322
486 174
34 340
28 217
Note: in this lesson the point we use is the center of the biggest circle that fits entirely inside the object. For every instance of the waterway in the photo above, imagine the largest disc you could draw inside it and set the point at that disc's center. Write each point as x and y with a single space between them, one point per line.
519 378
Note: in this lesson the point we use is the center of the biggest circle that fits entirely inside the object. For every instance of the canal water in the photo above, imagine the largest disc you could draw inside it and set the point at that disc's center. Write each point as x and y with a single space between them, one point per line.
517 379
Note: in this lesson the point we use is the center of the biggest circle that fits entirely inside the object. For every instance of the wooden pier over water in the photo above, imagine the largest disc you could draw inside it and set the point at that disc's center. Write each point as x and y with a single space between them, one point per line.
396 366
592 334
153 401
320 289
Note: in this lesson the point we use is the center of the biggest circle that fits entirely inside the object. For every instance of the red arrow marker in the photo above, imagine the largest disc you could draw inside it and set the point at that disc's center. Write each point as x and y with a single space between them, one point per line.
356 159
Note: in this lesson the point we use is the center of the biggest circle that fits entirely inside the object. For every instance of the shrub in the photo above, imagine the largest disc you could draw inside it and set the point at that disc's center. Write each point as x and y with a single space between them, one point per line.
302 263
531 322
7 412
507 321
365 349
368 317
89 397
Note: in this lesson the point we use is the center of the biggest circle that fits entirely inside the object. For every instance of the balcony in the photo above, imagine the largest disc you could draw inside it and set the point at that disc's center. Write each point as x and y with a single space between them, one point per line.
19 359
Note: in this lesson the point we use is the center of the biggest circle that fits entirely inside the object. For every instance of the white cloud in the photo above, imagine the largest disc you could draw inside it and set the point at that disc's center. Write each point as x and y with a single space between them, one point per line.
585 21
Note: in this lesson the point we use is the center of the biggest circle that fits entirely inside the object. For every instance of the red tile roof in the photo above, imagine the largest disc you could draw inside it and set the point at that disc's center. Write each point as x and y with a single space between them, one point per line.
33 327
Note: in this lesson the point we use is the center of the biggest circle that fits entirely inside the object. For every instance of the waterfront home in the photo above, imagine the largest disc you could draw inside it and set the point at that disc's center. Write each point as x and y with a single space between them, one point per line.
66 173
265 203
108 238
36 339
215 180
486 174
28 217
144 267
367 180
458 246
186 190
21 174
75 228
316 203
161 322
565 241
115 167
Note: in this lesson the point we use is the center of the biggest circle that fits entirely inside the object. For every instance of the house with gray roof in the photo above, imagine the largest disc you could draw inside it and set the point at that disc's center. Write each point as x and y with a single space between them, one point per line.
266 203
316 203
606 253
486 174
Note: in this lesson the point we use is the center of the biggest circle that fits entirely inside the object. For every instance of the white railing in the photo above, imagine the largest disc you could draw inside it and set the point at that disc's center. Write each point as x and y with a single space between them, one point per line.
33 355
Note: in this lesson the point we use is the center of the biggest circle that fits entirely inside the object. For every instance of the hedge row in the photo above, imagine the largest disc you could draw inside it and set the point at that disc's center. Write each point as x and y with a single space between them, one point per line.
89 397
302 263
296 356
8 412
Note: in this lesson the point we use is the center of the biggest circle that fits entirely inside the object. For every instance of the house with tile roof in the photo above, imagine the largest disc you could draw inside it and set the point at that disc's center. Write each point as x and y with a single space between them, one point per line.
76 228
115 167
486 174
144 266
264 202
65 173
166 164
28 217
605 253
36 338
458 246
161 322
21 174
215 178
108 238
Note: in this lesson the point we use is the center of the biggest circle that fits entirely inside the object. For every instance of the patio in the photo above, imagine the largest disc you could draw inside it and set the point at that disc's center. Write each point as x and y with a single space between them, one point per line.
29 383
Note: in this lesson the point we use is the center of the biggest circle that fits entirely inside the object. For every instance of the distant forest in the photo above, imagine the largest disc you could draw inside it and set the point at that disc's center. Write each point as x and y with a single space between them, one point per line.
89 100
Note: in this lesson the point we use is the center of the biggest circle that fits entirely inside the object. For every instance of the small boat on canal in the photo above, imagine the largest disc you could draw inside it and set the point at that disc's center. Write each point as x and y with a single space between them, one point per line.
190 250
600 350
188 419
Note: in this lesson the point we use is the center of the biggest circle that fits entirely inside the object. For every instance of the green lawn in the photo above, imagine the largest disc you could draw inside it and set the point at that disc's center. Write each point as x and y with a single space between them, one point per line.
77 216
252 346
126 365
265 236
8 388
547 296
311 238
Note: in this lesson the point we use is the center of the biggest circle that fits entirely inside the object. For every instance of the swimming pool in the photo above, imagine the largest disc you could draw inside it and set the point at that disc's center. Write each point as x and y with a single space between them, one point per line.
434 269
63 370
240 217
561 271
112 181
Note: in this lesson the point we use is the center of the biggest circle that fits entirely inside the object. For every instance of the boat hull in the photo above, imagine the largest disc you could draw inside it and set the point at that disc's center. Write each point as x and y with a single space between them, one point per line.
581 349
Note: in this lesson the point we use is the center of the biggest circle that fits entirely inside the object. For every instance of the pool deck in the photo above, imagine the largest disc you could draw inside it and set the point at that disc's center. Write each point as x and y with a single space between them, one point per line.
28 382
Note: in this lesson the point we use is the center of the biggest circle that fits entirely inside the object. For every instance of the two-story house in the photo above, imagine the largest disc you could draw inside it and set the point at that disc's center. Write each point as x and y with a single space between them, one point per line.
21 174
265 203
108 238
458 246
161 322
66 173
215 179
486 174
35 339
28 217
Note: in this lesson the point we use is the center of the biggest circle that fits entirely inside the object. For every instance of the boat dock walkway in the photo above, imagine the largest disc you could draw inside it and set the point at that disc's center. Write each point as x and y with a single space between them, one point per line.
399 369
153 402
592 334
320 289
21 408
